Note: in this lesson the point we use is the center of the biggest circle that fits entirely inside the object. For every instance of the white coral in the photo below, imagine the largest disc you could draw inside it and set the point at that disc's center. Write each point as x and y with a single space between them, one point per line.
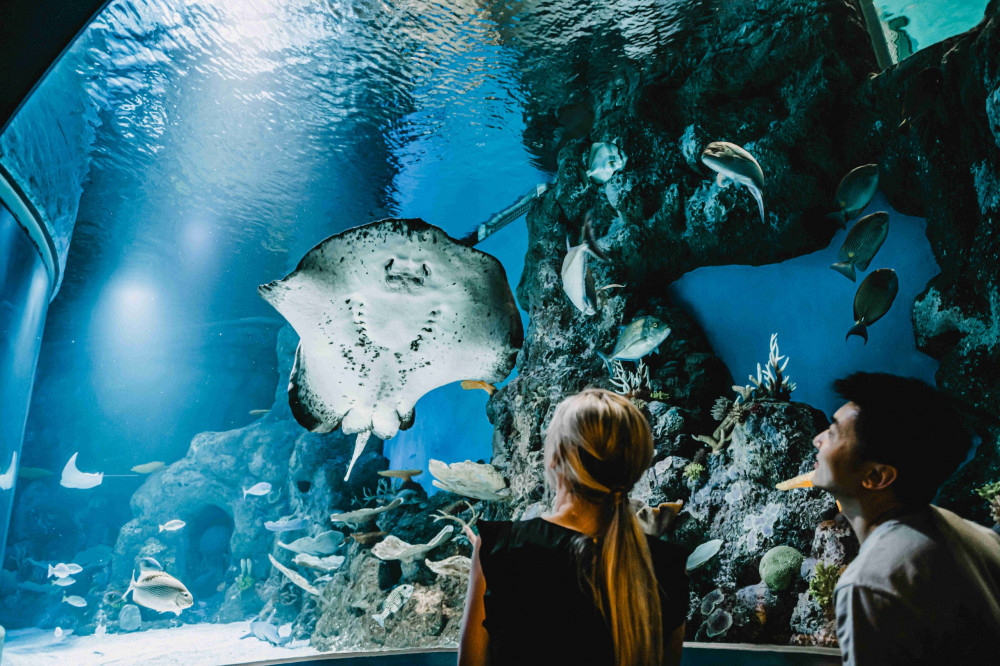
394 548
627 382
476 480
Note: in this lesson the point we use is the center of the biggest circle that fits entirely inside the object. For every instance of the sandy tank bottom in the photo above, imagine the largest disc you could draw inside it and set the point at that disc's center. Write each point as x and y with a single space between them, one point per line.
190 644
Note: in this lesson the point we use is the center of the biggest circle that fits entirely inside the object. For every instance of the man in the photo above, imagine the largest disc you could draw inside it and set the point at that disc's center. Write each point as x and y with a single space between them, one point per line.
925 587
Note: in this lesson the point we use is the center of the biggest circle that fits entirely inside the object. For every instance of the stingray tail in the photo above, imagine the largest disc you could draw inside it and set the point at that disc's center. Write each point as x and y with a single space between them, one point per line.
359 446
860 330
846 269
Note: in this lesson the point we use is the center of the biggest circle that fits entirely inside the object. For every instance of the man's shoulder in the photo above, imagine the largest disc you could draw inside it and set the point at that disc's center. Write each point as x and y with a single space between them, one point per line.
904 551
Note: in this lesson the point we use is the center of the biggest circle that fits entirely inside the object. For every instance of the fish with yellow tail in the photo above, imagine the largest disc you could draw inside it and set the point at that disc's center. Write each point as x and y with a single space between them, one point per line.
396 600
158 590
873 300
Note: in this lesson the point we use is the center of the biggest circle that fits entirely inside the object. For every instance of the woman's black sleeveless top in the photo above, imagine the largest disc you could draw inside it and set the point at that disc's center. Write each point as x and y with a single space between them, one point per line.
536 610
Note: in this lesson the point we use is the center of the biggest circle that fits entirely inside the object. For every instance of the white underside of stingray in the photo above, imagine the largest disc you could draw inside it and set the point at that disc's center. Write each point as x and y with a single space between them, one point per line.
7 478
74 478
385 313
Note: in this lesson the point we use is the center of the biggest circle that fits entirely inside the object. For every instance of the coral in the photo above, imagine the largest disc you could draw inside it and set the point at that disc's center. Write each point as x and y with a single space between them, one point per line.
245 580
989 492
385 492
630 383
476 480
718 623
769 384
779 566
823 582
995 509
761 524
693 471
710 601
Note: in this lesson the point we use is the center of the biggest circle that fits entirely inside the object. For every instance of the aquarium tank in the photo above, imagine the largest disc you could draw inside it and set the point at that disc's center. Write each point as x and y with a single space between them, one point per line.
291 291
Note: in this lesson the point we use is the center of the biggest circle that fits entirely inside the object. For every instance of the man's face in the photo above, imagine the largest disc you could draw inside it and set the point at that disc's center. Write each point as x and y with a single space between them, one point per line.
838 467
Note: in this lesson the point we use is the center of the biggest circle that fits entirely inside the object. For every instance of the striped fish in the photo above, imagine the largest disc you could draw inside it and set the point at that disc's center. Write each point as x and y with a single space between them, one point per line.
862 243
396 600
160 591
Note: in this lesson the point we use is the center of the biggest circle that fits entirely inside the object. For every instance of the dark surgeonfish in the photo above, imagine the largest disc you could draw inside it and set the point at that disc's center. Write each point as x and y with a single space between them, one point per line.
854 192
862 243
873 300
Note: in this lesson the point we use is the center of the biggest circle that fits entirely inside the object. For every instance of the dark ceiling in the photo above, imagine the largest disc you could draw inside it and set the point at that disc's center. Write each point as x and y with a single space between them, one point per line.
32 35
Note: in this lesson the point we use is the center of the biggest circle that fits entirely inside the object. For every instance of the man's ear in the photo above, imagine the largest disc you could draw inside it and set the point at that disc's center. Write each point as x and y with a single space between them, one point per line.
879 476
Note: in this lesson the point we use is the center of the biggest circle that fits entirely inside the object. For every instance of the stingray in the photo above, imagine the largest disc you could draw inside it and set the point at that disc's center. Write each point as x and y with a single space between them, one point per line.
385 313
7 478
74 478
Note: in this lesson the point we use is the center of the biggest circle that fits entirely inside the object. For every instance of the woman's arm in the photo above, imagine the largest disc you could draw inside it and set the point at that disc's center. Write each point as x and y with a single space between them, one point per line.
672 646
472 645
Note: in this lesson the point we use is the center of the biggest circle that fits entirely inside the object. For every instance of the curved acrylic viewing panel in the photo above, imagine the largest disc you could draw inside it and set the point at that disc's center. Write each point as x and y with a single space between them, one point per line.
27 272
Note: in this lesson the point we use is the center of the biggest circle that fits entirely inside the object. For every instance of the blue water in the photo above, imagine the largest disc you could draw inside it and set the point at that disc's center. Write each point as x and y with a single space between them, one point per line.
810 307
931 21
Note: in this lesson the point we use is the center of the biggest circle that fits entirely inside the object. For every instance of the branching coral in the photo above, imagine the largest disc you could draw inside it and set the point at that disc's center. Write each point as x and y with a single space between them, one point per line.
693 471
770 384
634 383
823 582
989 491
466 526
384 492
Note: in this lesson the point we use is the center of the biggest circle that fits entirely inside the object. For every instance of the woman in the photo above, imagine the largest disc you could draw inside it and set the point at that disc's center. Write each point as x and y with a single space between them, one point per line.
583 585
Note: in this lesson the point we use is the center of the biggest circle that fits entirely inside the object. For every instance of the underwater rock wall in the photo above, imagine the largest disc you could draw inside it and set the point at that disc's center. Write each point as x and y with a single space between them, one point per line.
796 85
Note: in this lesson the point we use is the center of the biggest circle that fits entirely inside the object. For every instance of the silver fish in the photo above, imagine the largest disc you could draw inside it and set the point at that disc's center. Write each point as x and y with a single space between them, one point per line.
636 340
577 280
604 161
62 570
862 243
172 526
160 591
396 600
74 600
63 582
286 525
854 192
257 489
873 300
733 163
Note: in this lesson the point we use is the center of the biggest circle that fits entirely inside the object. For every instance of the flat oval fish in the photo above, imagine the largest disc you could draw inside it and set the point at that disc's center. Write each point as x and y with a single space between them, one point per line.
63 582
604 161
396 600
159 591
385 313
854 192
148 468
862 244
286 525
577 280
62 570
734 163
873 299
257 489
636 340
74 600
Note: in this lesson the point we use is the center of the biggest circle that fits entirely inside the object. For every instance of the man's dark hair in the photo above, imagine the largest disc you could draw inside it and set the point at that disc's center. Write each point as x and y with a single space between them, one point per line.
905 423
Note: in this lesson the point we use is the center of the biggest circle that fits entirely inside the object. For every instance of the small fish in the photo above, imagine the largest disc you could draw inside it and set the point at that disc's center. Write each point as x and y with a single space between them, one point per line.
862 243
471 385
257 489
396 600
172 525
63 582
62 570
259 412
58 633
734 163
286 525
639 338
577 280
148 468
873 300
33 473
604 161
854 192
7 478
74 600
159 591
800 481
